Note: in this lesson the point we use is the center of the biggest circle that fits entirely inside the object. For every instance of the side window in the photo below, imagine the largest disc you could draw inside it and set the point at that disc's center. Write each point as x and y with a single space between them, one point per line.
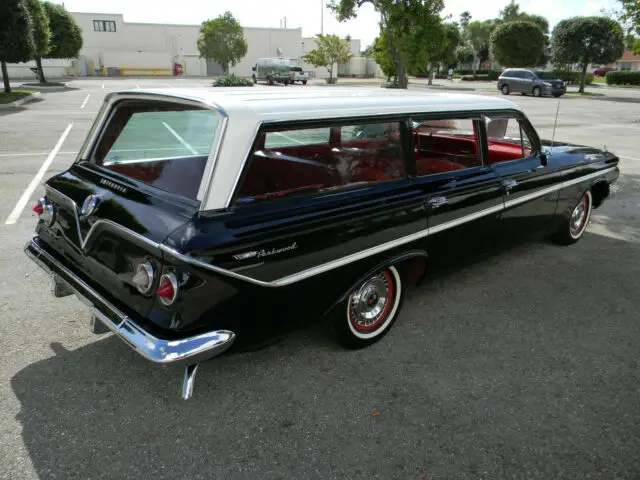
317 160
291 138
507 139
444 145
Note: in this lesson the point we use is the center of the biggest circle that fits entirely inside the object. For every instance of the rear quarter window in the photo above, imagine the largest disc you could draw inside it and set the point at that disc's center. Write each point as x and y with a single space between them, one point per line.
162 144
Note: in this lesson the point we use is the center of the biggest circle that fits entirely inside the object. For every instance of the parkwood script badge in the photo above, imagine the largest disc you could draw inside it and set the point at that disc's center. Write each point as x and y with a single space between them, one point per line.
265 253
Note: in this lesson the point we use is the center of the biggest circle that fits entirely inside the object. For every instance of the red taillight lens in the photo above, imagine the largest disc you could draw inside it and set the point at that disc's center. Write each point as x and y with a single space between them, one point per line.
167 289
38 209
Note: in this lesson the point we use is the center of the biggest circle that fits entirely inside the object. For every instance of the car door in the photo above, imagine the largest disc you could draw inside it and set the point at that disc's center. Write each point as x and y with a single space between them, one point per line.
527 82
463 195
310 201
514 153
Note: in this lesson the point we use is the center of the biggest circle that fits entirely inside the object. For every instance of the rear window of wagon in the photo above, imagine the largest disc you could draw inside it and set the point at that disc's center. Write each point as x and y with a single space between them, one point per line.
162 144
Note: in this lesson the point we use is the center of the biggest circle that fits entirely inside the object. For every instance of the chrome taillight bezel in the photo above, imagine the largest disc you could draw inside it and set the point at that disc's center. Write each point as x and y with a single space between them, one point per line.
170 276
146 269
48 215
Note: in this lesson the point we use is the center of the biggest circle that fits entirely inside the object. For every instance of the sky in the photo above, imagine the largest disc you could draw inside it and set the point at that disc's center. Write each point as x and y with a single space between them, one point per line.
307 13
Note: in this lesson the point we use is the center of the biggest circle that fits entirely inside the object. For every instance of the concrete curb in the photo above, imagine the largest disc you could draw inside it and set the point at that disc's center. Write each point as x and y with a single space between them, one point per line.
44 88
22 101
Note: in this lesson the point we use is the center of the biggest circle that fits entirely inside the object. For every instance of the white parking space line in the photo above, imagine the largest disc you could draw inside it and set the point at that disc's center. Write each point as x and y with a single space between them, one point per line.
26 195
180 139
85 100
30 154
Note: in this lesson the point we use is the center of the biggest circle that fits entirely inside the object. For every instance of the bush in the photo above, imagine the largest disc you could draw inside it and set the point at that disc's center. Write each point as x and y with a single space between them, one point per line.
573 77
390 84
623 78
233 81
475 78
494 74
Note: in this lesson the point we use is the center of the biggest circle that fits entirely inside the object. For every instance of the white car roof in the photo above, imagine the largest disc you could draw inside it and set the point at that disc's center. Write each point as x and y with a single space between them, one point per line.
246 108
300 103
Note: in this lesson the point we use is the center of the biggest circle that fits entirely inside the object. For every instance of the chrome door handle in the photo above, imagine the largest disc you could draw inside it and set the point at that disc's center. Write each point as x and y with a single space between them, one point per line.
435 202
509 184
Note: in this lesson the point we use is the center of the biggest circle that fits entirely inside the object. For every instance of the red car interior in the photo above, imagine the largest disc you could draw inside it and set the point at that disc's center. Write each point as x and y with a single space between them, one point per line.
280 171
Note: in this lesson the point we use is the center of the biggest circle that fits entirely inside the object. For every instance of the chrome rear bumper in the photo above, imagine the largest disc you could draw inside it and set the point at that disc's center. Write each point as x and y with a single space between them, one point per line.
185 351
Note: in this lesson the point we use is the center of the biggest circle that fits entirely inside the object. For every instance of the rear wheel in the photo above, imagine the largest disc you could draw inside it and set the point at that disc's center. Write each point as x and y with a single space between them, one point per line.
572 228
370 311
304 82
505 89
537 91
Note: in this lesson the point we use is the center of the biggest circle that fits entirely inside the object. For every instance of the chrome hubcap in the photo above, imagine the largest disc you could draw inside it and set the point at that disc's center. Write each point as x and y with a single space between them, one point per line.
578 216
370 304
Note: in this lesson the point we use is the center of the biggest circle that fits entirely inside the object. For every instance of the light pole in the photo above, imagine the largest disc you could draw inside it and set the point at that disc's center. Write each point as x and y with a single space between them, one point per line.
321 17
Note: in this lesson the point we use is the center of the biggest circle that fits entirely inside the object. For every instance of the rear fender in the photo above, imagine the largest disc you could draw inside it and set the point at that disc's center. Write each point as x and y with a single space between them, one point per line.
402 260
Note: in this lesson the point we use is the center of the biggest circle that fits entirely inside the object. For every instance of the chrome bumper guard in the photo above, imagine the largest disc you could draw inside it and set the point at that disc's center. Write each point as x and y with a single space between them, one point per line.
187 352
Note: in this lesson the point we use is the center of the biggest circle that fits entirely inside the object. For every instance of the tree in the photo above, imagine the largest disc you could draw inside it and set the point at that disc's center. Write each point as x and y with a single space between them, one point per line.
629 41
465 19
330 49
479 34
411 28
382 56
222 40
41 33
636 47
517 44
511 12
464 54
66 36
585 40
631 13
16 39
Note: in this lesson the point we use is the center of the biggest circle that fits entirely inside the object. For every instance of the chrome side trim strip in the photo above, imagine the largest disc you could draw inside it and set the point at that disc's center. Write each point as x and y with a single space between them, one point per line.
184 351
554 188
334 263
310 272
97 223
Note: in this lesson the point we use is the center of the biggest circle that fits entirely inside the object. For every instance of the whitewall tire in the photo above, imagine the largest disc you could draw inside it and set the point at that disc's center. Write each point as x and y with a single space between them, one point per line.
572 228
370 310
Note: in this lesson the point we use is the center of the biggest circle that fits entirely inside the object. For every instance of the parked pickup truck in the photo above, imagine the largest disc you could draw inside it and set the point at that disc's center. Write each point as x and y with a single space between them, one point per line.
299 75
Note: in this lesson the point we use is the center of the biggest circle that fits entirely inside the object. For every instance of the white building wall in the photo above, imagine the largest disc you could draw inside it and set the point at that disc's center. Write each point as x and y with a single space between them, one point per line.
268 42
144 45
54 68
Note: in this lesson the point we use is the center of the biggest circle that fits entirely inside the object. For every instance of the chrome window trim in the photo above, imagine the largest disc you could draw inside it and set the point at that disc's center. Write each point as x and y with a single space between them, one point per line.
107 111
296 277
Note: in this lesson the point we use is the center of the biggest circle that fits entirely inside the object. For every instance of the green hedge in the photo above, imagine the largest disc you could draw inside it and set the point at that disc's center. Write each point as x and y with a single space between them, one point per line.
475 78
623 78
573 76
233 81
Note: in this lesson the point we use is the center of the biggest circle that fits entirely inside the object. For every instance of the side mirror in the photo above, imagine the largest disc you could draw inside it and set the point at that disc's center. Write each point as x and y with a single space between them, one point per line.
253 68
544 159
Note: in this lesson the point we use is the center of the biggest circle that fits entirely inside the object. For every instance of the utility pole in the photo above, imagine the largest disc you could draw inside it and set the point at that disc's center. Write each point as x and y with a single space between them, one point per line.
321 17
285 22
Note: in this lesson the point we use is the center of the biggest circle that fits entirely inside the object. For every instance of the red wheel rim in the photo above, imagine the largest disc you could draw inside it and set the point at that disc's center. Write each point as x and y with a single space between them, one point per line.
579 216
369 307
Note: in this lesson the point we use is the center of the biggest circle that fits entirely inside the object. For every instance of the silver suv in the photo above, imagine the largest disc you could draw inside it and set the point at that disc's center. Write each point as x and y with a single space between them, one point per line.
534 82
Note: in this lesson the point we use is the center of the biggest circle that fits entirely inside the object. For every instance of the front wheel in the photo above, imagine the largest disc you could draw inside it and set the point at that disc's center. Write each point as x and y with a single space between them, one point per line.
370 311
572 228
537 91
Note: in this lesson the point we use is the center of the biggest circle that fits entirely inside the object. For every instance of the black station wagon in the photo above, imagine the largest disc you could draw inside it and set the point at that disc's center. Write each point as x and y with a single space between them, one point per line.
194 221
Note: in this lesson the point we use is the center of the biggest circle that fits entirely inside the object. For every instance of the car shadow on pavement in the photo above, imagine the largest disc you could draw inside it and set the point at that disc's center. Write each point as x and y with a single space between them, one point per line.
522 366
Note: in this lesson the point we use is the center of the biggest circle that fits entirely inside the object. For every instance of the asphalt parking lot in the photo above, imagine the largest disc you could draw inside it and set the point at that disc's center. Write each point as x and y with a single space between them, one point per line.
525 365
